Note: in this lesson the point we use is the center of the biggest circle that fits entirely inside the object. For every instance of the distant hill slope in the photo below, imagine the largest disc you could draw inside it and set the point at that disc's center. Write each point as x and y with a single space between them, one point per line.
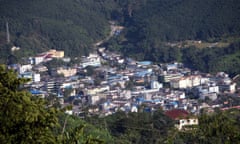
74 25
184 19
153 26
150 22
70 25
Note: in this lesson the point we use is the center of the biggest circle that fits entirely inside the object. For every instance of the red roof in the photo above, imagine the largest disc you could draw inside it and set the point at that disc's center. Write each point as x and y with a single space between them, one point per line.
177 113
41 55
49 56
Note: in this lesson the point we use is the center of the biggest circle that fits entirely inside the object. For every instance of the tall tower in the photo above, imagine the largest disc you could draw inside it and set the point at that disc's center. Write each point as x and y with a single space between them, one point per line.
7 31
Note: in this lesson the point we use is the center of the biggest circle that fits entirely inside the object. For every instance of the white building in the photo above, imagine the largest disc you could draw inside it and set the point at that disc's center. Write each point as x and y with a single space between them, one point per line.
134 108
97 90
91 60
69 112
93 99
196 80
173 66
231 88
213 89
156 85
67 72
25 68
169 77
36 77
27 75
186 122
38 60
186 82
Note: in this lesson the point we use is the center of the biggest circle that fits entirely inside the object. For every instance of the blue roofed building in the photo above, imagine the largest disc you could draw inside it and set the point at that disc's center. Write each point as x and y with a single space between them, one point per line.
38 93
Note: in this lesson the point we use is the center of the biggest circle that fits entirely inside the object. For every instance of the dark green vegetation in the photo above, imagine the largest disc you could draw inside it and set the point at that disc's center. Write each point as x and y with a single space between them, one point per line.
28 119
23 118
151 24
214 59
154 128
74 25
70 25
176 20
141 128
219 128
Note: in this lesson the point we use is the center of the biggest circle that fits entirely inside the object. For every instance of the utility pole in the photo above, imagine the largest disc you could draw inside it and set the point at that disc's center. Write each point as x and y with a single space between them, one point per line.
7 31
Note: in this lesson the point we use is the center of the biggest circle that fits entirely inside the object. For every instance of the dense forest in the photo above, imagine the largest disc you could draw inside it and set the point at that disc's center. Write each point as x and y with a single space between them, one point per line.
154 128
74 25
28 119
214 59
36 26
152 26
176 20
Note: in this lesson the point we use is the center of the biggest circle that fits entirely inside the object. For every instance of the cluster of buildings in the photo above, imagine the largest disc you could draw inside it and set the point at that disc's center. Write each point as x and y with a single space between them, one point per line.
46 56
118 83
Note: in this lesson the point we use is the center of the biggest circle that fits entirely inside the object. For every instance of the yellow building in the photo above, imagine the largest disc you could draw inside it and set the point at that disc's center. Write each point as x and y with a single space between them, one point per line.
56 54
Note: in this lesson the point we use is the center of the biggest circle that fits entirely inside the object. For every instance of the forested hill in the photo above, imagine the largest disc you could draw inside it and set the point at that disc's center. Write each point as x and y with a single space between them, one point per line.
184 19
150 22
74 25
153 27
70 25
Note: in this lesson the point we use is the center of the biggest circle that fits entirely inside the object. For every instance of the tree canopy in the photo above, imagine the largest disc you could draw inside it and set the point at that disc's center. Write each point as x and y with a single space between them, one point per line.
28 119
23 118
74 25
69 25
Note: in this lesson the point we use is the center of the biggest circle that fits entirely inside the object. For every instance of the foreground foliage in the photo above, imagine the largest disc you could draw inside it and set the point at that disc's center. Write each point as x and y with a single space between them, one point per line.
23 119
27 119
141 127
144 127
220 128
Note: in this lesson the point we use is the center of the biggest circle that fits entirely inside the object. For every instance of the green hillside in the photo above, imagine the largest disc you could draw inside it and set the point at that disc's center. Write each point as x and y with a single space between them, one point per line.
71 25
183 19
213 59
151 26
151 22
154 27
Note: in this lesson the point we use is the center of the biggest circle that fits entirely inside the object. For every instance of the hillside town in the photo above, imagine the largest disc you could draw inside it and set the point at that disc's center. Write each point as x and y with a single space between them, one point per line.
105 82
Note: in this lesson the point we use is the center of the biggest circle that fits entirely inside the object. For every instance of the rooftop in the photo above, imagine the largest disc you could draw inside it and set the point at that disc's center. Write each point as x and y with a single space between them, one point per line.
177 113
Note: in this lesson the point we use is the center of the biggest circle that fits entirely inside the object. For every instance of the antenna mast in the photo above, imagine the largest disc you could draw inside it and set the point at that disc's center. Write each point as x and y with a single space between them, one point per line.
8 35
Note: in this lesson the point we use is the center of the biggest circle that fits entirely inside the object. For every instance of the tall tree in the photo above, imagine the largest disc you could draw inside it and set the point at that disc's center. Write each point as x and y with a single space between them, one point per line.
23 118
27 119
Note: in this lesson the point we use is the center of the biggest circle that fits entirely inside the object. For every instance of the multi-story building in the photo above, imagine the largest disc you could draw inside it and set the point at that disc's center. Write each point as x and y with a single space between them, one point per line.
186 82
169 77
